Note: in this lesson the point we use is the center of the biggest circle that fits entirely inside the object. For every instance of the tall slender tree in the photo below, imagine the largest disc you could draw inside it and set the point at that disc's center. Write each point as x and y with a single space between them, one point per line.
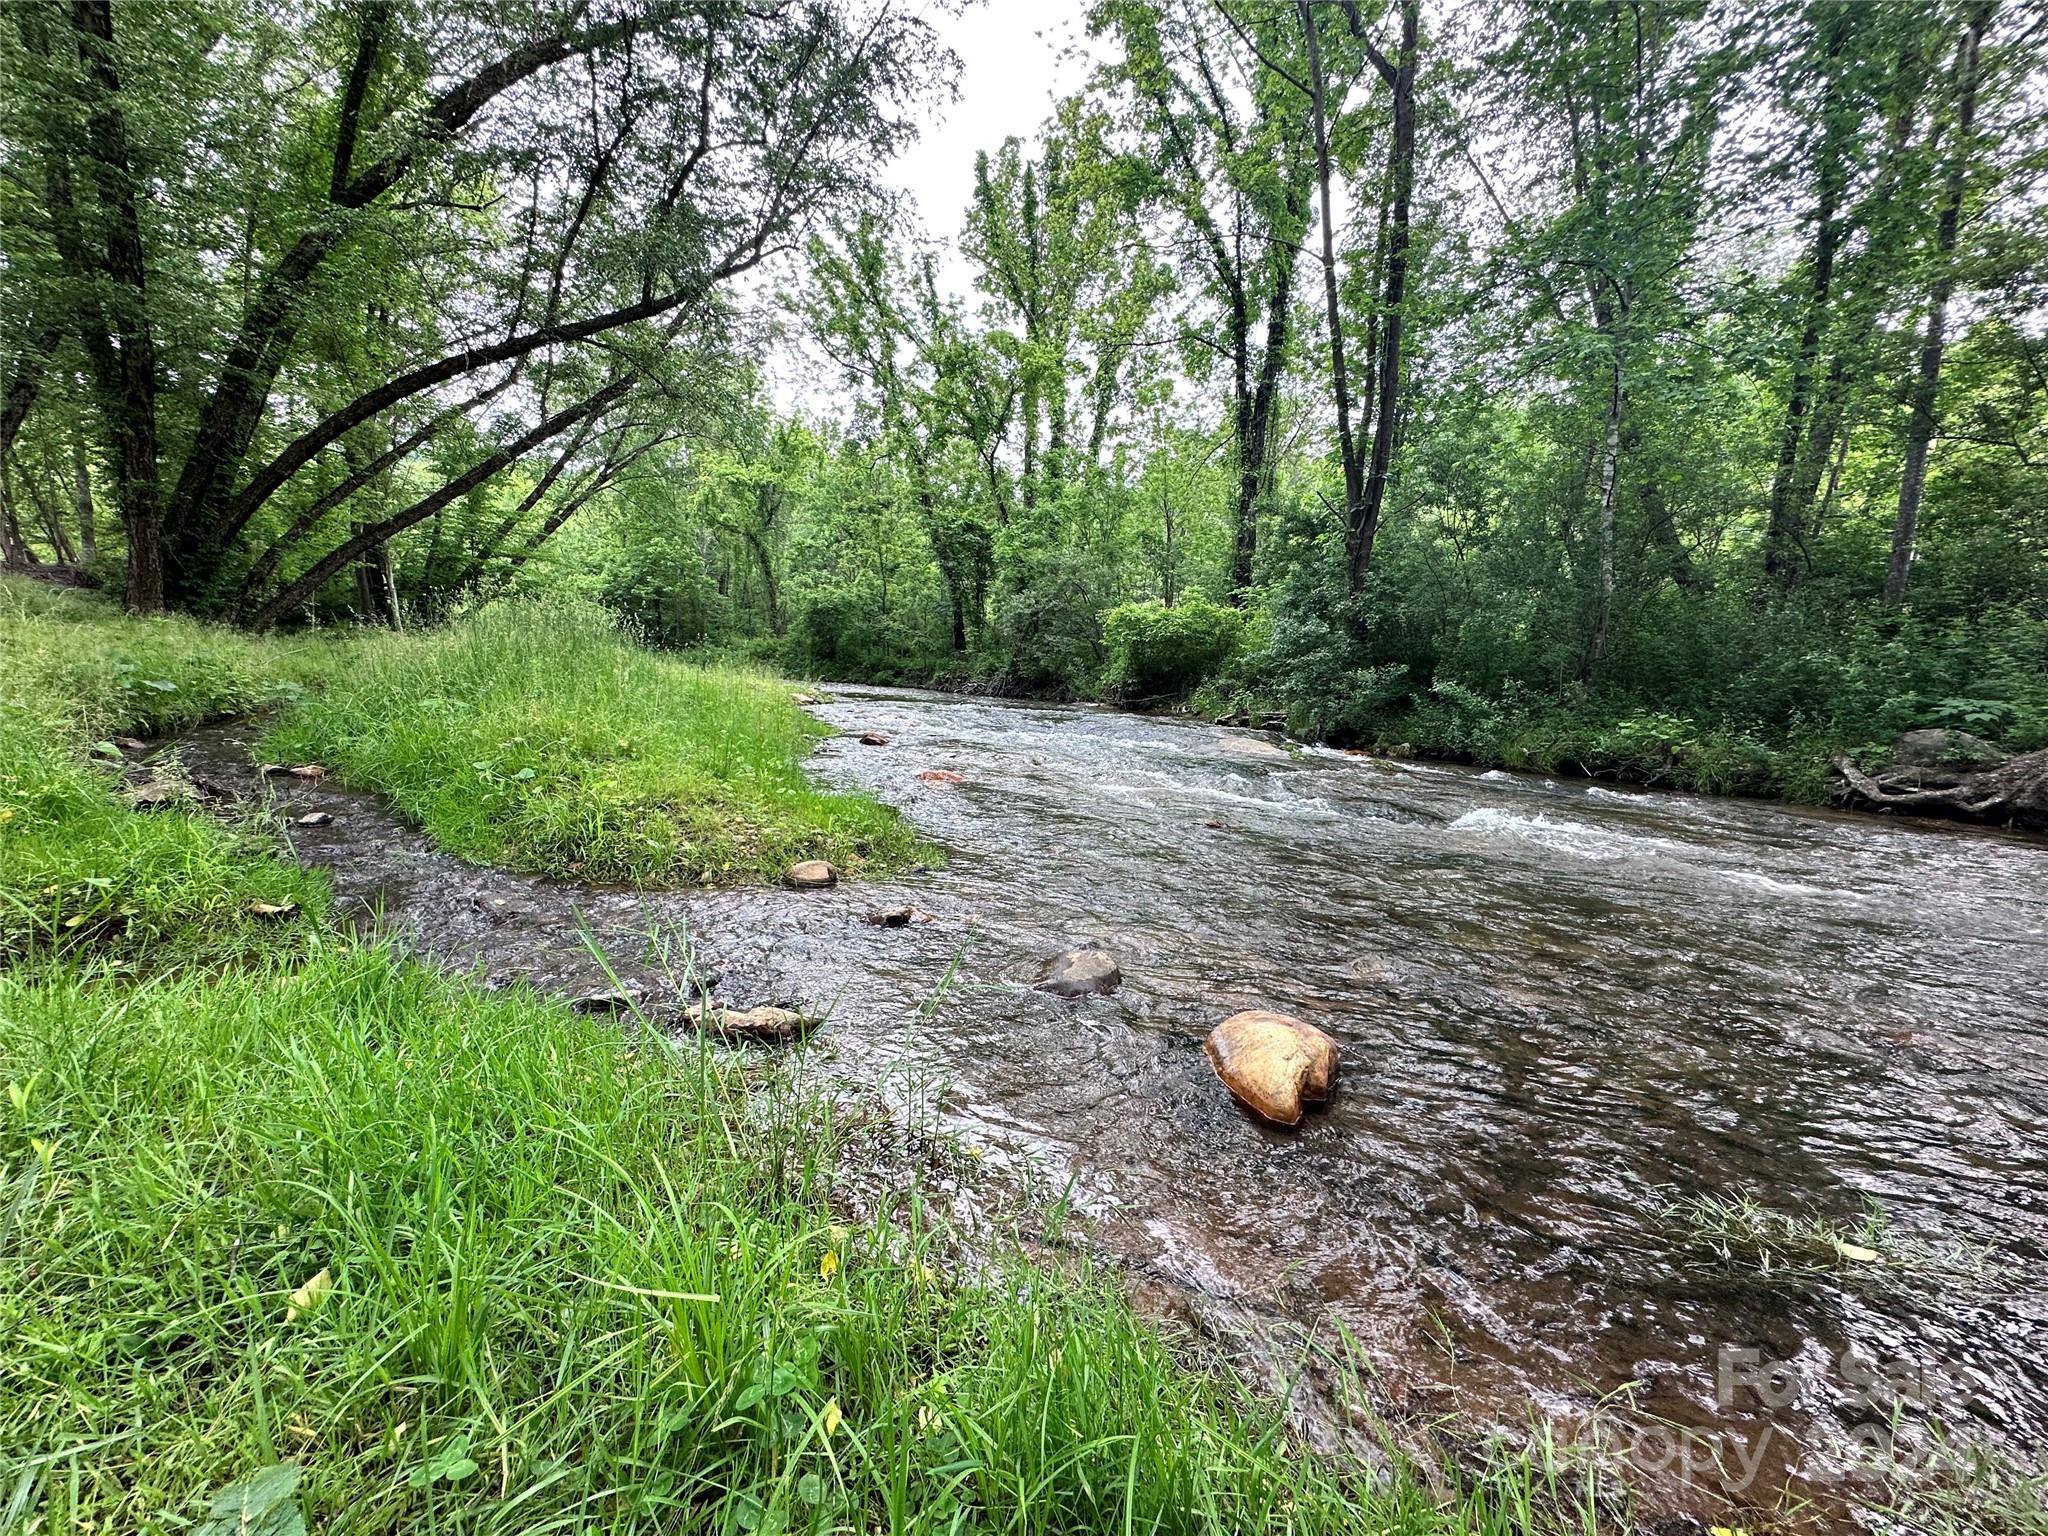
1228 135
1922 423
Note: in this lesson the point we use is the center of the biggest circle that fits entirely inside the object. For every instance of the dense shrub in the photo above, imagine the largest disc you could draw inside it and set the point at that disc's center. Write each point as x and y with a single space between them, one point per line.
1046 631
843 635
1158 652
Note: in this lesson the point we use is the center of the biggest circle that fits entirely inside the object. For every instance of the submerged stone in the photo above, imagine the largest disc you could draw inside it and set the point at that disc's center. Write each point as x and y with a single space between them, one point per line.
873 739
897 917
1255 746
942 776
1083 973
1272 1063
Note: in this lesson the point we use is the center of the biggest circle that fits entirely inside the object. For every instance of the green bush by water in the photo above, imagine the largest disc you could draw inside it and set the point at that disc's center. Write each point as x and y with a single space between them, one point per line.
1161 652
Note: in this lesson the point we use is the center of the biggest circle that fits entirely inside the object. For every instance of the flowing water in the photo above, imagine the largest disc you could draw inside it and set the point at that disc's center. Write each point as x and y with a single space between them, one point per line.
1559 1006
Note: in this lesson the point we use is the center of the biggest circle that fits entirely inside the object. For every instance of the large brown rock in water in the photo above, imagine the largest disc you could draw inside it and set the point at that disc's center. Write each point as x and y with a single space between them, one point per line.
811 875
1272 1063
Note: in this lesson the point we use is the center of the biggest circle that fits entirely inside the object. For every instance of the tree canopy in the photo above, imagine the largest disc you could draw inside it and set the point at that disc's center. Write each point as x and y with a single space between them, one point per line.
1647 361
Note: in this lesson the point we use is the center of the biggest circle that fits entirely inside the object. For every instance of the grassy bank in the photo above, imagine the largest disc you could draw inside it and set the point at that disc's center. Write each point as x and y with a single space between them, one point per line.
286 1217
271 1198
80 872
531 736
534 736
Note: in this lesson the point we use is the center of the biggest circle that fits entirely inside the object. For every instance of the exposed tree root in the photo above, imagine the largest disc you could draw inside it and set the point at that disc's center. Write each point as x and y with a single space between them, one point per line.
2013 793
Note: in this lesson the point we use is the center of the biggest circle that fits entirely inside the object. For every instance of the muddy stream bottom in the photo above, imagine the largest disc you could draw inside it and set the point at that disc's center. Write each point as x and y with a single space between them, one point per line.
1561 1008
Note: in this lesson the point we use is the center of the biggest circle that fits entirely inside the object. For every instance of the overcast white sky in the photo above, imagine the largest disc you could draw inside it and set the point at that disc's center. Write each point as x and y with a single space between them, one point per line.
1016 58
1014 61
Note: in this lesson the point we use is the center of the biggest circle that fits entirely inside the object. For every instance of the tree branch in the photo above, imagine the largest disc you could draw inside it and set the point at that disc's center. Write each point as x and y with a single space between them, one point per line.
351 549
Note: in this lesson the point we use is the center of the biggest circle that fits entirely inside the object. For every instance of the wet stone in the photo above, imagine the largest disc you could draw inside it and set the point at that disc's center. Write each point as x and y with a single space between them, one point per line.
1083 973
1272 1063
811 875
766 1023
896 917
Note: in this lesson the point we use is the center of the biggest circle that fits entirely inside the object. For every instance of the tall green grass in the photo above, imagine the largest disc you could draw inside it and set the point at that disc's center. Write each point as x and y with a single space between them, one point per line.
570 1284
534 735
81 872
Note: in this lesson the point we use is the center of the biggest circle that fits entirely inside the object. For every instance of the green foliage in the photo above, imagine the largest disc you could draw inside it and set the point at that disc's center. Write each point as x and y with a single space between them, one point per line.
1646 470
260 1504
1048 633
1695 597
534 735
186 257
842 635
1159 652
